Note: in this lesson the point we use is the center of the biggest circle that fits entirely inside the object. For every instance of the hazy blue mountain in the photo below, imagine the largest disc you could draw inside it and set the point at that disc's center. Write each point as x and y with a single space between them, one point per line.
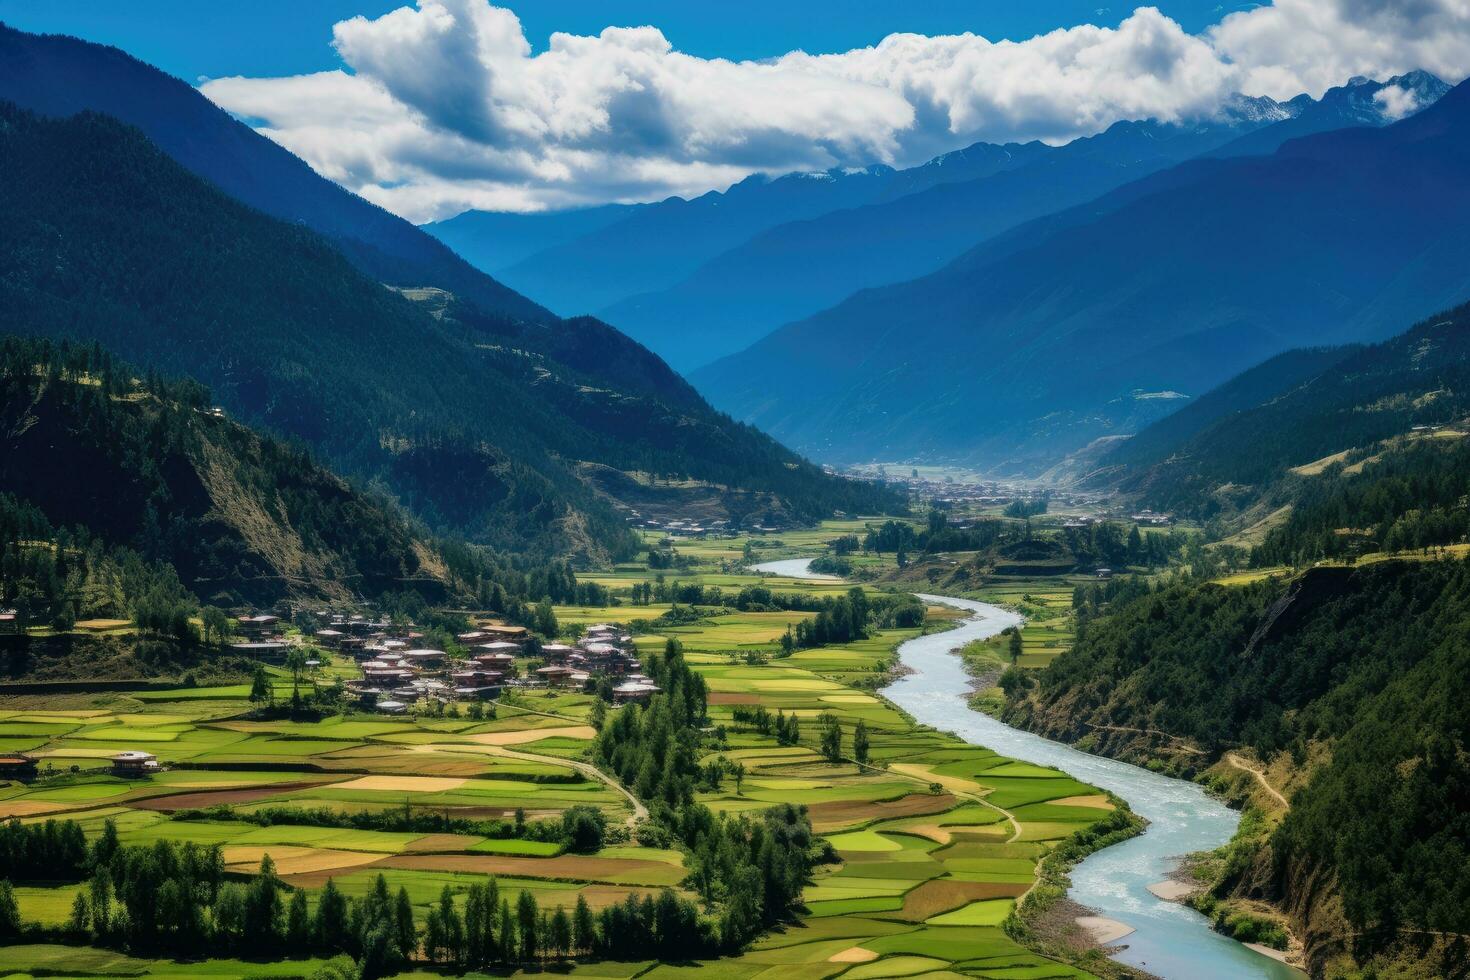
797 269
657 245
1090 322
57 75
495 240
1284 414
1358 103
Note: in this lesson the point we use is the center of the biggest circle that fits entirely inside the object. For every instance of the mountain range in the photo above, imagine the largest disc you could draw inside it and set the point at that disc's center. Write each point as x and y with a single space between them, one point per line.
1098 319
194 247
1296 413
697 280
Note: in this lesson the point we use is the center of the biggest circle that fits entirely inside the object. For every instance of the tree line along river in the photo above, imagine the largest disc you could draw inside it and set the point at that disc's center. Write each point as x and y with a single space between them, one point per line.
1168 939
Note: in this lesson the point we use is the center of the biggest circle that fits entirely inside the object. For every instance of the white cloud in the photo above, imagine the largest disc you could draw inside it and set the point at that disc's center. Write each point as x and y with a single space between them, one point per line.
1396 101
444 107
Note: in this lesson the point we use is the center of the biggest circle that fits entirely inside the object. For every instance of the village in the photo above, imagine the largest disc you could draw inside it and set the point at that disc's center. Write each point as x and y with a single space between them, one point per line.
398 671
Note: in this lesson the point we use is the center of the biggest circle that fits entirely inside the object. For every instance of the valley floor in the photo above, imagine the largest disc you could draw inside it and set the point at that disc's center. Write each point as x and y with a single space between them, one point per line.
938 840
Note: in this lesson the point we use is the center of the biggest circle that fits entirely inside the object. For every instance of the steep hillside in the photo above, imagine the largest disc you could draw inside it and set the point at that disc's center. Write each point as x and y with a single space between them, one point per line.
471 419
60 76
1353 680
148 465
1253 430
1172 285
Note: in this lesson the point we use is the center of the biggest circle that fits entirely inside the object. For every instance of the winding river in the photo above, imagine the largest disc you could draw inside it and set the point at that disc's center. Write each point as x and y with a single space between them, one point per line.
1168 940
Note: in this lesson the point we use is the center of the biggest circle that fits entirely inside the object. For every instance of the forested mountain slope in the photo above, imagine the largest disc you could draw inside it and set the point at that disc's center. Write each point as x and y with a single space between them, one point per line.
472 419
146 464
1362 678
1172 285
58 76
1247 435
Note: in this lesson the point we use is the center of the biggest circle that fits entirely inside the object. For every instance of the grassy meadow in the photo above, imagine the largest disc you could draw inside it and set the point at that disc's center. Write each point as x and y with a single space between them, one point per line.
937 840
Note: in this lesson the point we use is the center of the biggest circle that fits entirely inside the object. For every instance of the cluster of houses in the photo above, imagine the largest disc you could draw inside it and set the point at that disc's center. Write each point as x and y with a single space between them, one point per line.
396 673
682 528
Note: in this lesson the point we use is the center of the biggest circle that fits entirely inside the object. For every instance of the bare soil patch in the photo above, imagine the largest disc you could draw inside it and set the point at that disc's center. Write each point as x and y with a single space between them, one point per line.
404 784
853 954
534 735
834 815
567 867
218 797
293 860
939 895
732 697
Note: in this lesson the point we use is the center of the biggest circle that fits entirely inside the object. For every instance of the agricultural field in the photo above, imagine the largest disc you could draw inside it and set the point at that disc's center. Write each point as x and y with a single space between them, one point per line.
935 841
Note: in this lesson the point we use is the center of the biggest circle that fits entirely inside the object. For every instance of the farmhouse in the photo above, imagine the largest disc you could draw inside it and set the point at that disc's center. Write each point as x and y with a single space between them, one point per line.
556 653
555 676
269 650
9 621
262 625
21 767
631 691
424 659
134 764
509 634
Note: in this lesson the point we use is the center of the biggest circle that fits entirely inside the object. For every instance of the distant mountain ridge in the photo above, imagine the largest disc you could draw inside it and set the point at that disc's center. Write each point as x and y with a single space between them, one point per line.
653 246
1294 410
56 75
808 246
1172 284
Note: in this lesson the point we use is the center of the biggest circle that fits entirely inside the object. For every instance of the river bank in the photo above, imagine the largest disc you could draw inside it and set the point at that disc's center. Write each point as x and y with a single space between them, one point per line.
1168 939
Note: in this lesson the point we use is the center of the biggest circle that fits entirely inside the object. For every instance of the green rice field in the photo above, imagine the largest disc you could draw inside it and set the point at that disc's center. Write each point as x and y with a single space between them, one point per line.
936 840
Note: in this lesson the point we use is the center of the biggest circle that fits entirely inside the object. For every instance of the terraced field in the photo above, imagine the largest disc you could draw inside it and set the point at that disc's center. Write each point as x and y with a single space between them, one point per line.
936 840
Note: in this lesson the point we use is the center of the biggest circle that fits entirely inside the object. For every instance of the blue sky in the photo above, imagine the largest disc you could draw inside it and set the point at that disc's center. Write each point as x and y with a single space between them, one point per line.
214 38
448 105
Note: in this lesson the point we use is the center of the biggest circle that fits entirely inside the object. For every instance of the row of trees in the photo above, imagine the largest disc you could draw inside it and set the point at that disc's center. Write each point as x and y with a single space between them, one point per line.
748 872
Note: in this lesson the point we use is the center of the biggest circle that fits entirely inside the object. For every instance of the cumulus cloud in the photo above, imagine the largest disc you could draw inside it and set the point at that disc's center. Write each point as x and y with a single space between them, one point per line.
444 107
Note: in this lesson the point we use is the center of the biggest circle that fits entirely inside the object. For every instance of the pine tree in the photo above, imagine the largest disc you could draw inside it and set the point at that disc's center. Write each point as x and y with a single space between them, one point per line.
584 927
298 924
860 743
526 922
330 928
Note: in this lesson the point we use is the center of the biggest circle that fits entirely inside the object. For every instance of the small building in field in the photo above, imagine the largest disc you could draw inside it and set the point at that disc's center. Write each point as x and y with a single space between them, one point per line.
271 651
20 767
135 764
391 707
555 676
634 691
9 622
